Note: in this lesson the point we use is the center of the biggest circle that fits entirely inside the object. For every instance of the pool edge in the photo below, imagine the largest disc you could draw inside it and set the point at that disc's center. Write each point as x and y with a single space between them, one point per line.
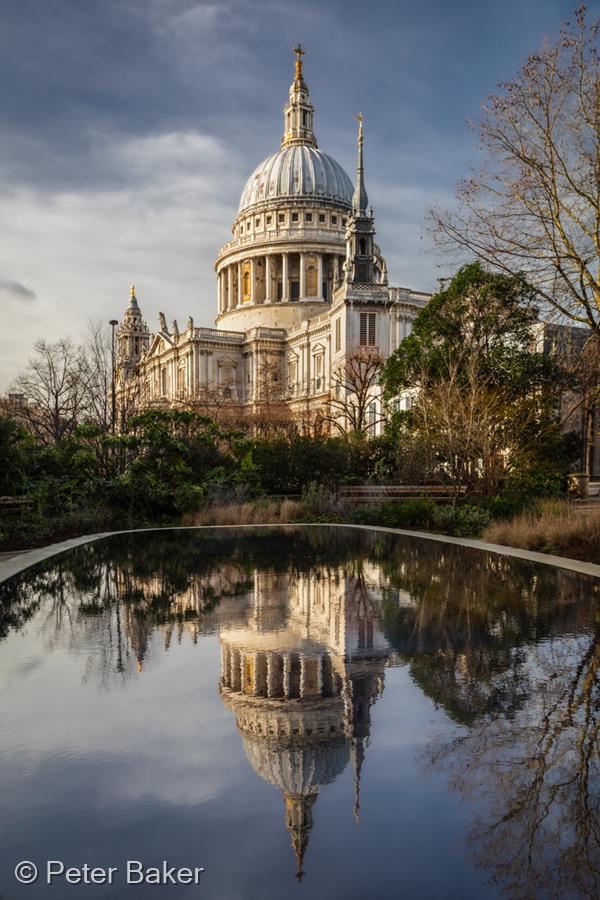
17 564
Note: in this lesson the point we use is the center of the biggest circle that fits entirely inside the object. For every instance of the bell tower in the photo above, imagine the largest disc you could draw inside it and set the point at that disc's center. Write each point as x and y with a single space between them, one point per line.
133 336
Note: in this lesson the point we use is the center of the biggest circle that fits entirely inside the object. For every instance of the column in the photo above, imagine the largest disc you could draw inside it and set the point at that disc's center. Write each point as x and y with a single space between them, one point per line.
267 278
220 292
307 371
302 275
239 290
320 276
302 676
194 368
229 287
285 295
252 280
286 676
320 675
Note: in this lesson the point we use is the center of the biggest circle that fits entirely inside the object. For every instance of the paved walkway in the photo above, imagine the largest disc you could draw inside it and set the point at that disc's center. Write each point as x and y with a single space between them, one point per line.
10 553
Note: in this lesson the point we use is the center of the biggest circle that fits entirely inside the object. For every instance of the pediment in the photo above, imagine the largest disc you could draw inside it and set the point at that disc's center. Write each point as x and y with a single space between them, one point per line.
228 362
160 342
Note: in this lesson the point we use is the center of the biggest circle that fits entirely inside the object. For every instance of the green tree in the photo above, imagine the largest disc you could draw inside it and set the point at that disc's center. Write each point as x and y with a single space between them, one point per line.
14 446
483 399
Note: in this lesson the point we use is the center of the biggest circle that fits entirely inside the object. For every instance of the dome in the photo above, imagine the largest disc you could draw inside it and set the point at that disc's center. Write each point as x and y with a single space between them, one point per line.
296 770
298 171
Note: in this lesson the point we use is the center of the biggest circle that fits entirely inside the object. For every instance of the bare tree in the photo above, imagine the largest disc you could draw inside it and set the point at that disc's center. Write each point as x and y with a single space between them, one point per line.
56 386
579 354
474 433
97 352
271 416
352 404
534 206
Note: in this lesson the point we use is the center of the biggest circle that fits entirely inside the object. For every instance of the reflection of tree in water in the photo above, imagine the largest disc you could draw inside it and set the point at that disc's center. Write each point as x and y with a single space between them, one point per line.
469 619
113 594
512 652
536 777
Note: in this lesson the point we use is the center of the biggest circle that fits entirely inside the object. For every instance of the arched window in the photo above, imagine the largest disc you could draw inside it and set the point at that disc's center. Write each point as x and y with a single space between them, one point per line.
362 246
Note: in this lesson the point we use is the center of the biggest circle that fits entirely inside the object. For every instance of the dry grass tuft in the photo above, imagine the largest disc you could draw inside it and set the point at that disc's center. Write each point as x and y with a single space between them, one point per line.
554 526
258 512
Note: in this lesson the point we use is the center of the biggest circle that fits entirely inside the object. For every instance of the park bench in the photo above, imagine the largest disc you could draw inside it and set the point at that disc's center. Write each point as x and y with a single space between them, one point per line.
375 493
14 506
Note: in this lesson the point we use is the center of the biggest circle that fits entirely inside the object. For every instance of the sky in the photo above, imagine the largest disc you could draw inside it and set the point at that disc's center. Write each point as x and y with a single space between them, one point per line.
129 128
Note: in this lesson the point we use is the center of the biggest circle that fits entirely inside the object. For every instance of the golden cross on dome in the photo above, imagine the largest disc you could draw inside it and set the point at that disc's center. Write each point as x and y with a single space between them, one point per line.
299 54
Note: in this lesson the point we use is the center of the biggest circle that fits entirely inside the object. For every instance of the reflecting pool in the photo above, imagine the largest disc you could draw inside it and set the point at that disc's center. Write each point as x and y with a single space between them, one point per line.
309 711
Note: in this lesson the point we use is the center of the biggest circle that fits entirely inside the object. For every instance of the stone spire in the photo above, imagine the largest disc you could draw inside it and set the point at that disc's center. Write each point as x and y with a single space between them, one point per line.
360 245
357 755
360 199
299 821
299 111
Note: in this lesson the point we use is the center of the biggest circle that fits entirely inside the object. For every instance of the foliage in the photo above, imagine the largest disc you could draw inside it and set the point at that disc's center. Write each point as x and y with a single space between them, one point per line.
287 465
484 401
14 446
318 503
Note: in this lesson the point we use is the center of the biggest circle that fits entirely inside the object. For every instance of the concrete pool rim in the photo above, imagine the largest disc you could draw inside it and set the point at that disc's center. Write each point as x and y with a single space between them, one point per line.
20 563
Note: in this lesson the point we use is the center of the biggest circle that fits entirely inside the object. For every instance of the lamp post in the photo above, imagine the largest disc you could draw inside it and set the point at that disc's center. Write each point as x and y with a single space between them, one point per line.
112 324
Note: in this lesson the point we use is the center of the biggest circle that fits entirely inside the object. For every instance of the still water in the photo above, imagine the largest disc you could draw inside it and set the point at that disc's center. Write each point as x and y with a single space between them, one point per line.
308 712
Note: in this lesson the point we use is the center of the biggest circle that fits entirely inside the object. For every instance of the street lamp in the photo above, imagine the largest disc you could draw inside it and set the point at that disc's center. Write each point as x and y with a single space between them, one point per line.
112 324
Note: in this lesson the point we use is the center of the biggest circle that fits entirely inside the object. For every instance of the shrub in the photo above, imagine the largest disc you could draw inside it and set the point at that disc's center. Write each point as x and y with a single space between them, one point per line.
415 513
468 520
319 503
255 512
551 526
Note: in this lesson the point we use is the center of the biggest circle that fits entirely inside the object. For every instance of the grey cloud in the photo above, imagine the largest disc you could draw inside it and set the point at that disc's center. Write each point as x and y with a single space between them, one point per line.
130 128
17 290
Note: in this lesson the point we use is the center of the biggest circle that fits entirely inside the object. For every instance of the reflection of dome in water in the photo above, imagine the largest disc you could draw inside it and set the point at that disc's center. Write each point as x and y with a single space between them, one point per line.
296 770
302 693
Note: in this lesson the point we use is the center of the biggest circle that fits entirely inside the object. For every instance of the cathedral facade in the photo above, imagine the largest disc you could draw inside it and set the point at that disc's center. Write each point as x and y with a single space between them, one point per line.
304 308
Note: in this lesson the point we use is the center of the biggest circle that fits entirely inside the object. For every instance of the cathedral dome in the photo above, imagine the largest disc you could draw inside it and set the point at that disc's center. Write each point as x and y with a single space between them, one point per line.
298 171
296 770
